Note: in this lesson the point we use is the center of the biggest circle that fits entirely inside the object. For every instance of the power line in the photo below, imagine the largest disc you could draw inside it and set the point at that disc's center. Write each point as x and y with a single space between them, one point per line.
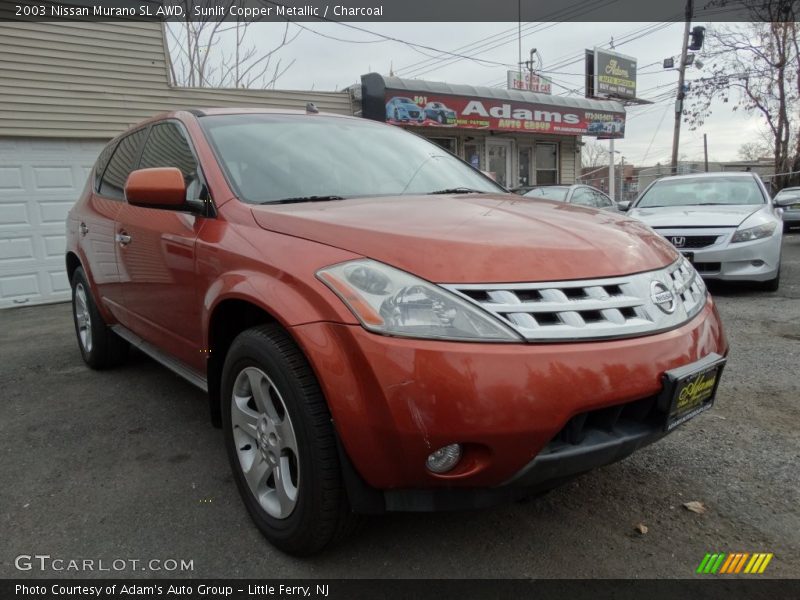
502 38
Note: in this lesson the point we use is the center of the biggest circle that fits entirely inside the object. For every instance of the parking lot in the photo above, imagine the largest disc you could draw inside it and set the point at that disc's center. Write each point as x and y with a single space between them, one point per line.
123 464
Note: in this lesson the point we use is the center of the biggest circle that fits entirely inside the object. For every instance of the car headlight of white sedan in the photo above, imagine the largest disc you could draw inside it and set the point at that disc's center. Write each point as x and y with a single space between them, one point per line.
754 233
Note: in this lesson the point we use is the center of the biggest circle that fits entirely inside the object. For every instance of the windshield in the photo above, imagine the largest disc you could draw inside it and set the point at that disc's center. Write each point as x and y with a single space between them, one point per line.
702 191
268 158
788 193
549 192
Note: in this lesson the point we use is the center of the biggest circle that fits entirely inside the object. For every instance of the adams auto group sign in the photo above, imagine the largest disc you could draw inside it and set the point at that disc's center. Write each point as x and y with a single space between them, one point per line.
418 108
499 115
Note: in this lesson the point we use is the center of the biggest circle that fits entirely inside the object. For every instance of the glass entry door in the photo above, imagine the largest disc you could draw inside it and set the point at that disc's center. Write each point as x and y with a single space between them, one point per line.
498 160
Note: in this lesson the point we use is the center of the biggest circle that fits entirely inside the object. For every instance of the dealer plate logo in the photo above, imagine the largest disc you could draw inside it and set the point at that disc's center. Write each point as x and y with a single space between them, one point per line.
662 297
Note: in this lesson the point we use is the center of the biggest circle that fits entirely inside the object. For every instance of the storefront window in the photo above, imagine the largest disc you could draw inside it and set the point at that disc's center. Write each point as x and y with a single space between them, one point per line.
546 164
499 163
472 154
448 144
525 166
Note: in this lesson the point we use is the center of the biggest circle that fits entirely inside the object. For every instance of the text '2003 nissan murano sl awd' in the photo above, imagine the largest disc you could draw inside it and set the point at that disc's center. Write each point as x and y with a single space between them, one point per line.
379 326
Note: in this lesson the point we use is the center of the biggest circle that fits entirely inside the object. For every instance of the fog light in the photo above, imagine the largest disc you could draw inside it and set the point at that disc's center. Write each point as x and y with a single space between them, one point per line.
757 263
444 459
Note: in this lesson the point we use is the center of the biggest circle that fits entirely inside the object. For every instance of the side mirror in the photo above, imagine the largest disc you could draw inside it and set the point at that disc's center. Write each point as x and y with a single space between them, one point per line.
624 206
787 201
161 187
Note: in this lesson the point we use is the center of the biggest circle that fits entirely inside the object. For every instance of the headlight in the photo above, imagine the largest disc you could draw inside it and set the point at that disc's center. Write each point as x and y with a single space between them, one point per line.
392 302
754 233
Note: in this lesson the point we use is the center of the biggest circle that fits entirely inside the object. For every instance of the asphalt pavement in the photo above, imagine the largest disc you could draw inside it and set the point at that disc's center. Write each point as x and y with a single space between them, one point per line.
123 465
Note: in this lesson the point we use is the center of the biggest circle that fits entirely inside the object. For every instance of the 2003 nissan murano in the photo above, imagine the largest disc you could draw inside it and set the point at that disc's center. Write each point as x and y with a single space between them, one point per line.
379 326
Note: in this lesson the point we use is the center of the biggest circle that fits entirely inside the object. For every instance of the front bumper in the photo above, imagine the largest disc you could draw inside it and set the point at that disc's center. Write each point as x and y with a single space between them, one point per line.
395 400
758 260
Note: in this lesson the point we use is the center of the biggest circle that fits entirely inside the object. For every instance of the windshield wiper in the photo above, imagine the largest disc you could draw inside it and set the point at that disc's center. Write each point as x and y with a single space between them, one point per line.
303 199
458 190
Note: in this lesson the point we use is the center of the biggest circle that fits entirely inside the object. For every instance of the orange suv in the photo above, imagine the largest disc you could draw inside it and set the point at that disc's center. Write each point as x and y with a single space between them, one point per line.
379 326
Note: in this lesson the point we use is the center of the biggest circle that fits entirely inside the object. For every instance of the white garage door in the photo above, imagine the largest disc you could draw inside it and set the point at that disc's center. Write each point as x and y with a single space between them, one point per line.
40 179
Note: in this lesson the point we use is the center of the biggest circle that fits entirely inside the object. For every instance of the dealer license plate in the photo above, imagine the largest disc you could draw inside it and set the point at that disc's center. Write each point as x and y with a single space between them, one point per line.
690 390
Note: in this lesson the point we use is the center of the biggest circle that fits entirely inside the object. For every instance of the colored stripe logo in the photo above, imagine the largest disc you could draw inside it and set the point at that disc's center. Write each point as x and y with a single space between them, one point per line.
720 563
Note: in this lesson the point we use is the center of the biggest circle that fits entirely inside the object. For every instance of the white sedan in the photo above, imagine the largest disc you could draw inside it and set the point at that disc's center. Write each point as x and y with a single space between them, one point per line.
724 223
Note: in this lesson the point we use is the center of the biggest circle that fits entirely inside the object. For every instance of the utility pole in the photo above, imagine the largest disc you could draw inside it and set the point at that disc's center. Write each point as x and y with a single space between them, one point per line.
681 94
519 34
611 175
705 151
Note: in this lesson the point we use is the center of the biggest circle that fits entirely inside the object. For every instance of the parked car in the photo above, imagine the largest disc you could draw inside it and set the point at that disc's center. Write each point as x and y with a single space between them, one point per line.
583 195
380 327
789 200
596 127
439 112
400 108
724 223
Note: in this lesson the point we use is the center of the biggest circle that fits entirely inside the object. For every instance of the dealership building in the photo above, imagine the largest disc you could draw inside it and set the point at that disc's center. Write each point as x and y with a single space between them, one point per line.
69 87
519 137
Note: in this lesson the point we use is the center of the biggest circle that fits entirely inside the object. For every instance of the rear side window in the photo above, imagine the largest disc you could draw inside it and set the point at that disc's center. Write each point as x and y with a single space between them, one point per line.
120 166
167 146
102 162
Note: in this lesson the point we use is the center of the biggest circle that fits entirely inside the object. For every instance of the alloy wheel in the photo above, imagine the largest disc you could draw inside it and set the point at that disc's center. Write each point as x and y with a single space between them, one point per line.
83 317
265 441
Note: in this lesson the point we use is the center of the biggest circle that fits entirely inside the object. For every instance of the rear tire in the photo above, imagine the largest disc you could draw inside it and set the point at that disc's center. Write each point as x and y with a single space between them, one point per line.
281 443
100 347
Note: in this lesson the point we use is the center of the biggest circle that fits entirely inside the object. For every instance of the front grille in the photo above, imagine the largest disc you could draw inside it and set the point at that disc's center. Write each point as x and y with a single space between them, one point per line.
413 114
692 241
592 309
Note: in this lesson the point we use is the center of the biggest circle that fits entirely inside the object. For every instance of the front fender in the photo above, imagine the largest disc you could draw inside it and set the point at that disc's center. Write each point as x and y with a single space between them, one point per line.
288 300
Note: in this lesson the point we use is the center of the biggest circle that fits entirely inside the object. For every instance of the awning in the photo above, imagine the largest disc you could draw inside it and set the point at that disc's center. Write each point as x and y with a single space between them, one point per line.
416 103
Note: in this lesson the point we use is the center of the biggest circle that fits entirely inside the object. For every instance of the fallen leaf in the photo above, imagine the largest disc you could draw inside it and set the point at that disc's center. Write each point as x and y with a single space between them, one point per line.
695 506
641 528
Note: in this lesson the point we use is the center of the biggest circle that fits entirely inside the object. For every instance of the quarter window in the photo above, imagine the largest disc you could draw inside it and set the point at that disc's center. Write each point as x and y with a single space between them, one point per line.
121 165
102 162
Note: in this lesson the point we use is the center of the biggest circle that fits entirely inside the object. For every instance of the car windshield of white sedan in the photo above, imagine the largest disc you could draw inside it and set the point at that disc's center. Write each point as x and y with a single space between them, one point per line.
287 158
702 191
550 192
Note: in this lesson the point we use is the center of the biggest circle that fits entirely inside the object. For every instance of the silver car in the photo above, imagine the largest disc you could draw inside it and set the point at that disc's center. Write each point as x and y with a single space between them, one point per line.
789 200
583 195
724 223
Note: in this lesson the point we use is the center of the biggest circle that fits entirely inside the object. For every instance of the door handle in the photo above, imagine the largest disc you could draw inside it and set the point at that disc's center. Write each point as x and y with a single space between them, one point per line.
123 238
83 229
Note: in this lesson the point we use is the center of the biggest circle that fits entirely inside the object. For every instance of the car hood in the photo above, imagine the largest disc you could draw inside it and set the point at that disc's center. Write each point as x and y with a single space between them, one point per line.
477 238
697 216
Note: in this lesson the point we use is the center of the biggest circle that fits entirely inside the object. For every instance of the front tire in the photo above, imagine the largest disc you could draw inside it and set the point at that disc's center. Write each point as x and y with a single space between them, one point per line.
100 347
281 443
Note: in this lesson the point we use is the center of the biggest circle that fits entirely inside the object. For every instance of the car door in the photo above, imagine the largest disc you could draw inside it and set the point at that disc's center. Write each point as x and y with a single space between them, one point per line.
98 222
156 253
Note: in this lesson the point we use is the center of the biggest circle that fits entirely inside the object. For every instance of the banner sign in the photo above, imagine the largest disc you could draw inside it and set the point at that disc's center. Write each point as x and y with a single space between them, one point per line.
428 110
518 80
614 74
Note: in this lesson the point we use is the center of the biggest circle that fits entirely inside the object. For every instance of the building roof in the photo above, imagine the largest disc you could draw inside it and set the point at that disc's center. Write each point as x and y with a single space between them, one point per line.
437 87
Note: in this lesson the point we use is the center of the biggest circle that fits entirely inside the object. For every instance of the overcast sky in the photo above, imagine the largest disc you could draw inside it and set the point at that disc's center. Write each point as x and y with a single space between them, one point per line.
328 64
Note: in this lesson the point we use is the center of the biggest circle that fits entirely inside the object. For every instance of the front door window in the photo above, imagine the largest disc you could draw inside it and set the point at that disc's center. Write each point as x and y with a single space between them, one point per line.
499 161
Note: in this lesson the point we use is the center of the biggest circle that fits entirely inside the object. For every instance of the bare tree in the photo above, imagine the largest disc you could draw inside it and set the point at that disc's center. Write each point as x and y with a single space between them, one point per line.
594 154
752 151
212 53
756 66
